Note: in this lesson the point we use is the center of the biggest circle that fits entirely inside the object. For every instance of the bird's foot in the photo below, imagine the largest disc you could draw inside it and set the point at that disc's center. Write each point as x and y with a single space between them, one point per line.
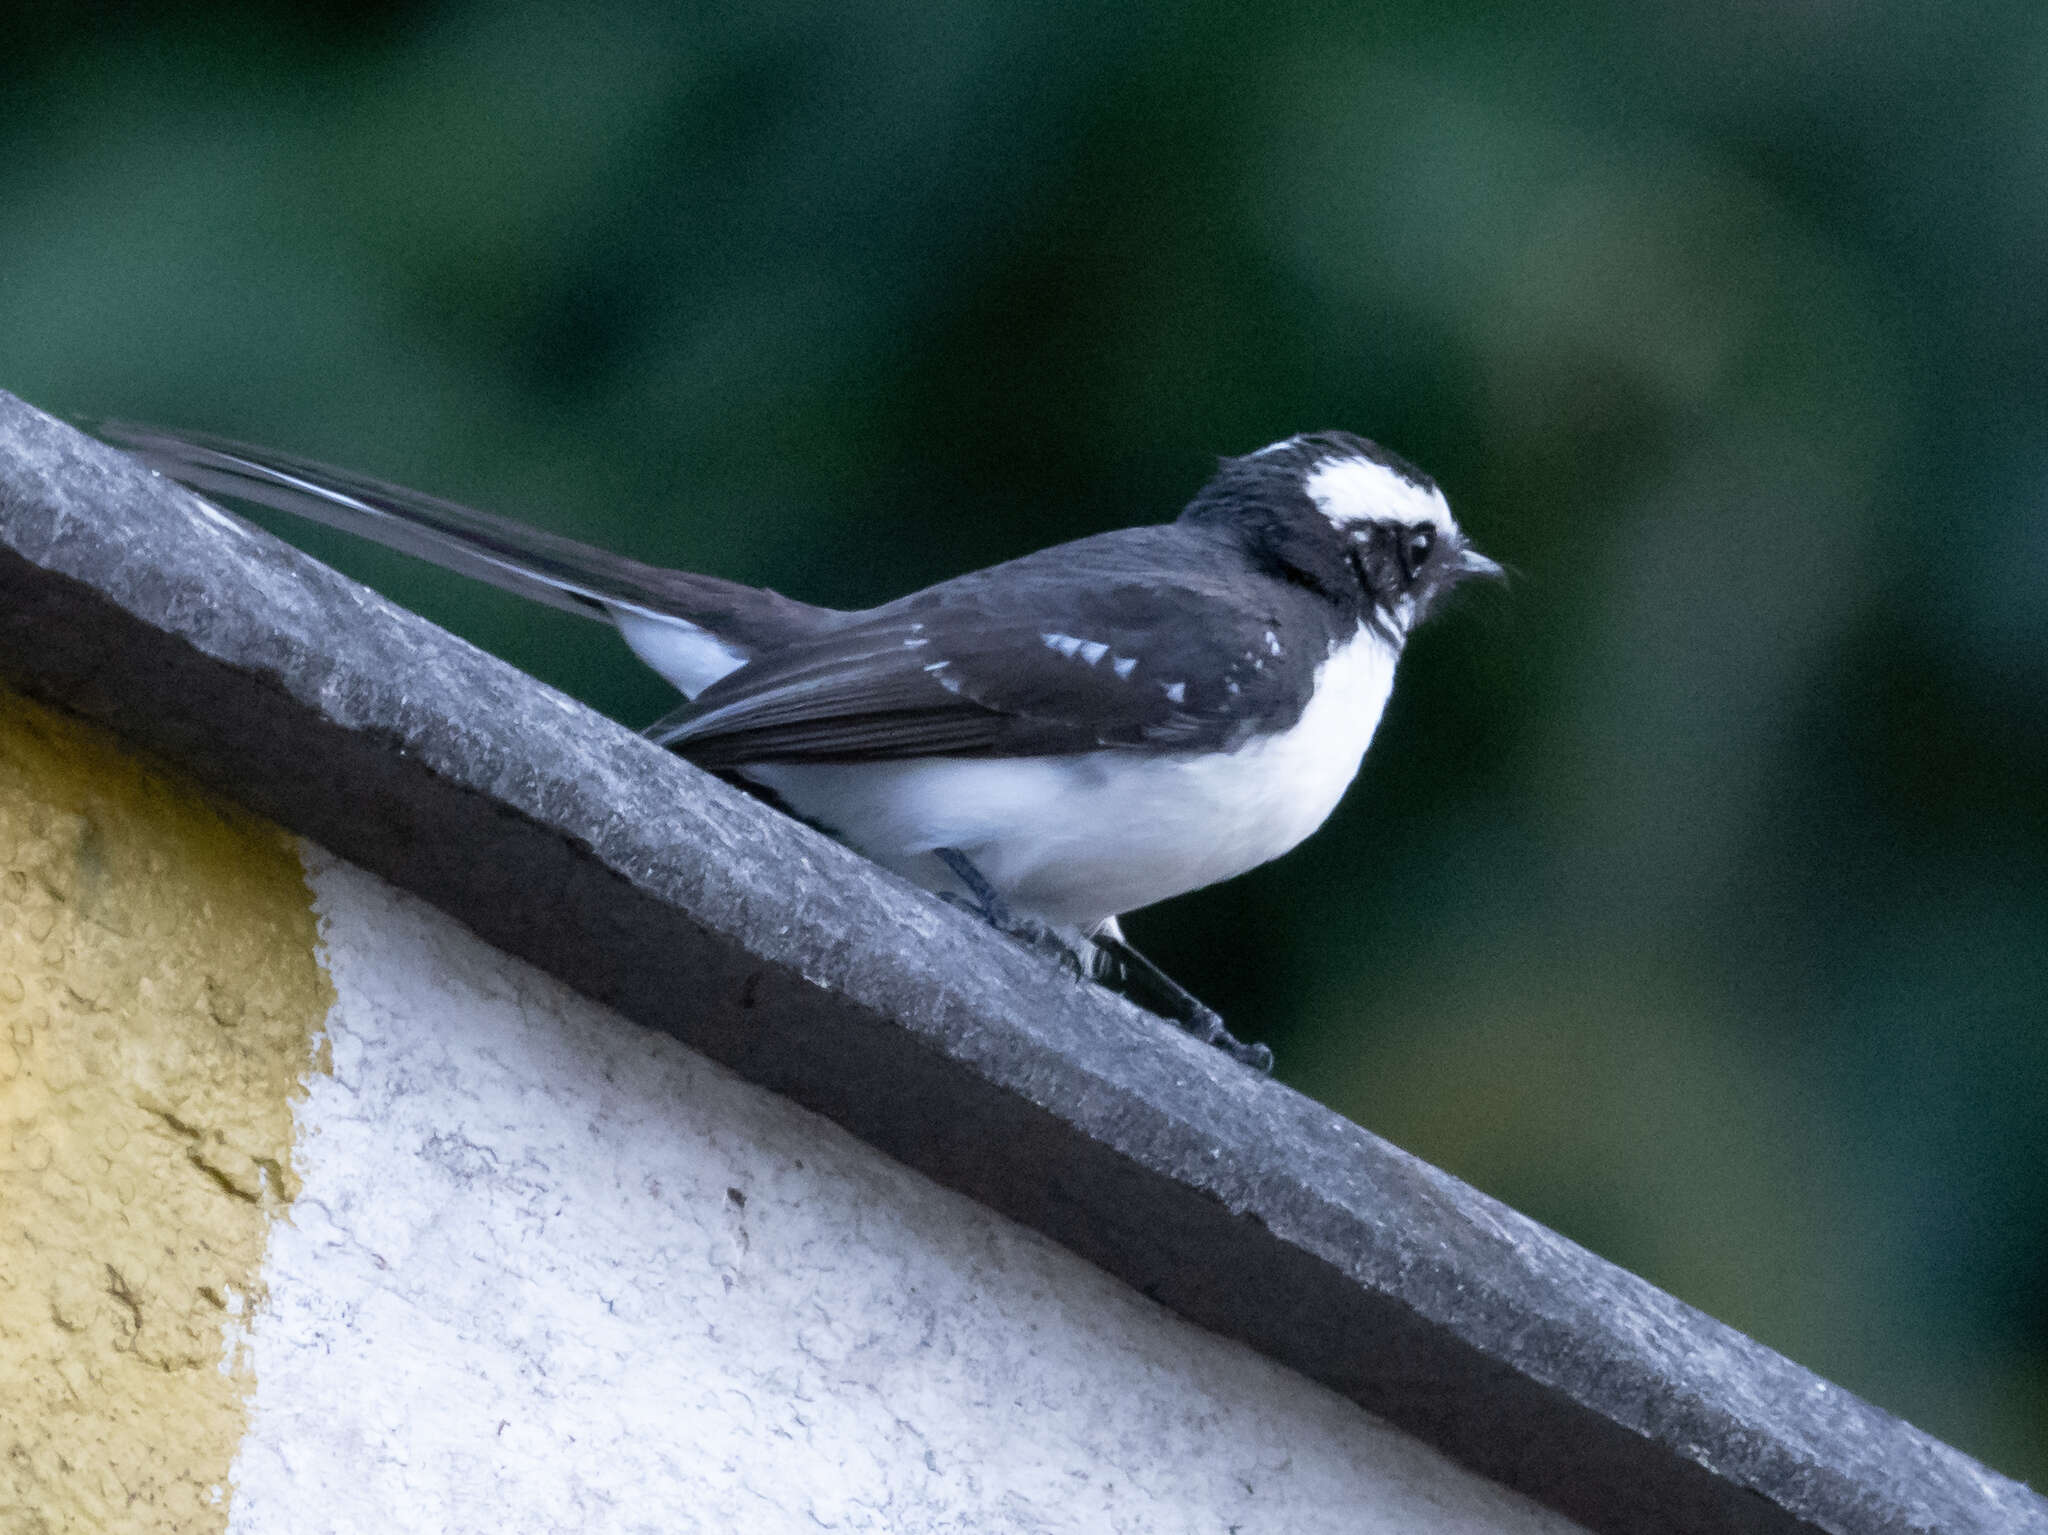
987 903
1116 964
1206 1024
1123 969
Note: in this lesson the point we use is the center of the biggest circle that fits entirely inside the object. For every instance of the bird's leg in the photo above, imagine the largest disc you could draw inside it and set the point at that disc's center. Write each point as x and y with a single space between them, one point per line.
1117 966
987 903
1144 983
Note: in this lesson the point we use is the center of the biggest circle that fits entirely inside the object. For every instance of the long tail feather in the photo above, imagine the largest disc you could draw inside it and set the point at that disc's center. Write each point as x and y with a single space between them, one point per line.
542 566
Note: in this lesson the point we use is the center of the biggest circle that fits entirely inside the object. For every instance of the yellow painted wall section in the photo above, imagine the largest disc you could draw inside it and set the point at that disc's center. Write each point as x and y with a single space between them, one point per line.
161 1003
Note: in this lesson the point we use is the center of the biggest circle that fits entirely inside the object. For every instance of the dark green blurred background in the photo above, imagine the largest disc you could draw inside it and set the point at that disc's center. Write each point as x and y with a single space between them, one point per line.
1695 895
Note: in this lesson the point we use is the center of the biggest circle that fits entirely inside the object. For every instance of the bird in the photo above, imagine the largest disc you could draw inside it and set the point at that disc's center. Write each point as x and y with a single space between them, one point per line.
1051 742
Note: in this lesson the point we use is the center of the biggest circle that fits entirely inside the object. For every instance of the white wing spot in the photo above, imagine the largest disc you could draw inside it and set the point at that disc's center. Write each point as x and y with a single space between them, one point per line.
1233 689
1176 692
914 641
1065 644
1090 651
1273 642
1123 666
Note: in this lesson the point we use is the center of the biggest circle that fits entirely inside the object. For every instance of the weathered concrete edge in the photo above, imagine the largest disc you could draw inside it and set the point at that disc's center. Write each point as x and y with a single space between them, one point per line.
563 838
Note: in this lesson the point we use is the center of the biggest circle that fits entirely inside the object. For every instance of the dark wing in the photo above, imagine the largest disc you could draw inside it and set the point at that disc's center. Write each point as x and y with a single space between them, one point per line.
1130 639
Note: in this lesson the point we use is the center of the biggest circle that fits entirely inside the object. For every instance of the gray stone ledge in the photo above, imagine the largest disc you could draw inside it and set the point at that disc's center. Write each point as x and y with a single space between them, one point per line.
565 839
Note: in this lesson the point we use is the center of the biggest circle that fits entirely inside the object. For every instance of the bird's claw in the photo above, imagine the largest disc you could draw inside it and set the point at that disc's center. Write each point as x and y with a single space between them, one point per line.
1206 1024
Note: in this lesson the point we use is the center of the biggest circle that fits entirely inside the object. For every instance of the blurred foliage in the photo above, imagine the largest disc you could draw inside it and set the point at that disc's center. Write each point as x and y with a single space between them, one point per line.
1695 896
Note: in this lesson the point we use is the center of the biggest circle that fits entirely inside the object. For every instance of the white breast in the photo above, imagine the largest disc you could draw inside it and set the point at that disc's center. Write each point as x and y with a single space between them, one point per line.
1074 840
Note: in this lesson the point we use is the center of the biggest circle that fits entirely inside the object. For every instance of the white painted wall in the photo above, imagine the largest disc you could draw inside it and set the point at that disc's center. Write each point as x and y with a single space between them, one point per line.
552 1271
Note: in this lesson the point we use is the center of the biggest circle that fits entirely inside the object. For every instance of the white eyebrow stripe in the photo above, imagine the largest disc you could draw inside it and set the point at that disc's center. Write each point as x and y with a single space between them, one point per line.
1354 490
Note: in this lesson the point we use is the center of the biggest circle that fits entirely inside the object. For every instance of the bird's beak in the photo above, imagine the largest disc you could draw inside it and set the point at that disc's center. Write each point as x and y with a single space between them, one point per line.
1472 563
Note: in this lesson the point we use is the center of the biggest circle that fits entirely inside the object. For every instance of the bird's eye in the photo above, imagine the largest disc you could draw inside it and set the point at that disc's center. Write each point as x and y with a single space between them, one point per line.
1415 549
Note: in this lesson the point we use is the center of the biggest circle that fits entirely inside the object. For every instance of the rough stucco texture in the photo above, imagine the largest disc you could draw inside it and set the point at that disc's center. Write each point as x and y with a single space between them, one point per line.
552 1271
159 1002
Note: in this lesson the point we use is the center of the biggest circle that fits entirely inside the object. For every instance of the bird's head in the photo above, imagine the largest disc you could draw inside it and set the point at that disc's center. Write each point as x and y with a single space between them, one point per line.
1351 520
